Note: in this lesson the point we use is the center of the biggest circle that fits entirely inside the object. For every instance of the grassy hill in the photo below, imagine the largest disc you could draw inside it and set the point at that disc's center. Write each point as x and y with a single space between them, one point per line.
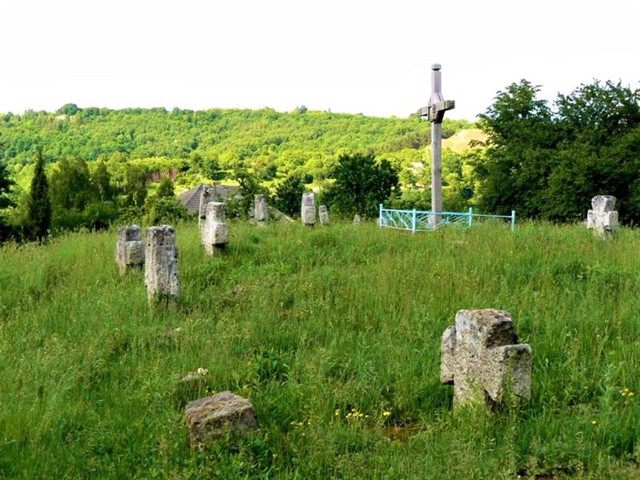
311 325
461 140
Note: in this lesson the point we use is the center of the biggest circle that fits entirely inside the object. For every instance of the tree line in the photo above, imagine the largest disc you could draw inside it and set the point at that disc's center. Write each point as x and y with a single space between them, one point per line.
544 161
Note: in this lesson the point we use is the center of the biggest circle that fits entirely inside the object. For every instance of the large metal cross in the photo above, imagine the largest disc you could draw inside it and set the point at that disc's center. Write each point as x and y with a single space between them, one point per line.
434 112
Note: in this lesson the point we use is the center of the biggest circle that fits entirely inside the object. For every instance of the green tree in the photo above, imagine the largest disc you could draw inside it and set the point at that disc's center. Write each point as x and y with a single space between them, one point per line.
135 186
101 180
520 152
361 184
38 203
70 185
5 189
165 189
288 194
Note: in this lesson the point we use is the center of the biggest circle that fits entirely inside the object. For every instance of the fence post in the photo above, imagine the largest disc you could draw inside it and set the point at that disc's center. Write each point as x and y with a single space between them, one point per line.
513 220
413 222
470 216
380 217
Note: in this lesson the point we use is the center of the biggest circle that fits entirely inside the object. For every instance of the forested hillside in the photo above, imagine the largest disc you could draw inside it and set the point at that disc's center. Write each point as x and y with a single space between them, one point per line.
268 142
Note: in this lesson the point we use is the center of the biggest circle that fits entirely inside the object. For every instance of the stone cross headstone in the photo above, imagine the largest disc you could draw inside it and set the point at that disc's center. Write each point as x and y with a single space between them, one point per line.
323 214
308 212
434 112
481 356
603 219
260 211
215 233
161 264
129 248
206 196
212 418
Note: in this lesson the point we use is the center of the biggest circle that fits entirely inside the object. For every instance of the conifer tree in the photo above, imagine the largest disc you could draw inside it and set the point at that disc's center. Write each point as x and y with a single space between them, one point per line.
38 203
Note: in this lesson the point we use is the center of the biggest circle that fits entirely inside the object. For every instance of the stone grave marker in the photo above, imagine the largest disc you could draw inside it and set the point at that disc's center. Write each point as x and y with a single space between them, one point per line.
260 211
206 196
357 219
603 219
481 356
211 418
323 214
215 233
129 248
161 264
308 212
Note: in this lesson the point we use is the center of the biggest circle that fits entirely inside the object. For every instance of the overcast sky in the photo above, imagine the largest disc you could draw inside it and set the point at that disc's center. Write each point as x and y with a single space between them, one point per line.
357 56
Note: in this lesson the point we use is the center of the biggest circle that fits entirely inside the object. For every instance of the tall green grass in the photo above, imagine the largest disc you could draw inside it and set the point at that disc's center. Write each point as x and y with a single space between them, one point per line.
334 335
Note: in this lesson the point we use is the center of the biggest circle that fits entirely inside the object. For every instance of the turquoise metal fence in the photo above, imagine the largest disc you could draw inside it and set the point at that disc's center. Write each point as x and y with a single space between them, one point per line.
421 221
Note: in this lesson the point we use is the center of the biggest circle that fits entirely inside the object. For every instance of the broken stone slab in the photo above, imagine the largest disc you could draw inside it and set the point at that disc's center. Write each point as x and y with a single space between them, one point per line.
308 212
323 214
215 233
602 218
129 248
481 356
212 418
161 265
260 211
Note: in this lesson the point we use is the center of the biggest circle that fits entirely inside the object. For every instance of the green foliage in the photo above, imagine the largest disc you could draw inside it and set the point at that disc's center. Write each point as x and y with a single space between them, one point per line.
70 186
6 184
135 186
248 187
361 184
288 195
164 210
101 180
548 164
38 219
334 335
165 189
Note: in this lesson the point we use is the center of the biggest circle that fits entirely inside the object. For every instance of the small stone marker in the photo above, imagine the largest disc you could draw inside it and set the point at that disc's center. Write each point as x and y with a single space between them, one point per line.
602 218
215 233
357 219
161 265
129 248
308 212
260 212
210 418
481 356
323 214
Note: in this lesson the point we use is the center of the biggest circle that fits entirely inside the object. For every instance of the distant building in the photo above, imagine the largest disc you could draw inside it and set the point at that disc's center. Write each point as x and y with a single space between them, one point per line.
191 198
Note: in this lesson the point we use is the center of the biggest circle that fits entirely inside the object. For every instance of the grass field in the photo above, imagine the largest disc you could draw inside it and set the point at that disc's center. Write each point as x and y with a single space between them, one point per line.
334 335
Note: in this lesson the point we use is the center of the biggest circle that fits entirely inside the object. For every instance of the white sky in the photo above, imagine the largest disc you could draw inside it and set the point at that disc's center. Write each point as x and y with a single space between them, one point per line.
357 56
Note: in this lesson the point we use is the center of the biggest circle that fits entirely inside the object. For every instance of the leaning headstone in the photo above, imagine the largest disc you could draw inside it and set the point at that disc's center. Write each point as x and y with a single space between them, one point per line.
129 249
215 232
323 214
603 219
260 212
357 219
308 212
161 264
212 418
481 356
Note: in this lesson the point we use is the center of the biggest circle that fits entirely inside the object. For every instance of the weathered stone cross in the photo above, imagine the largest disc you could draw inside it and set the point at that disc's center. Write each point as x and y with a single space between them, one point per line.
603 219
434 112
481 356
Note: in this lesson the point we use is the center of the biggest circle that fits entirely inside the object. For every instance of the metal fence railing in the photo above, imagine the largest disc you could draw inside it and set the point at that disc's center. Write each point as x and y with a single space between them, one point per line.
421 221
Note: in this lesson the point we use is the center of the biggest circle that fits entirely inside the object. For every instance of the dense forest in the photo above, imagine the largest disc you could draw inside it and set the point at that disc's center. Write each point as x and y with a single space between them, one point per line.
543 160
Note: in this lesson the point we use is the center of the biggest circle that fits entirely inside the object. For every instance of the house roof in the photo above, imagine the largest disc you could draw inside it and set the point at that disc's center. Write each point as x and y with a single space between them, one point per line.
191 198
